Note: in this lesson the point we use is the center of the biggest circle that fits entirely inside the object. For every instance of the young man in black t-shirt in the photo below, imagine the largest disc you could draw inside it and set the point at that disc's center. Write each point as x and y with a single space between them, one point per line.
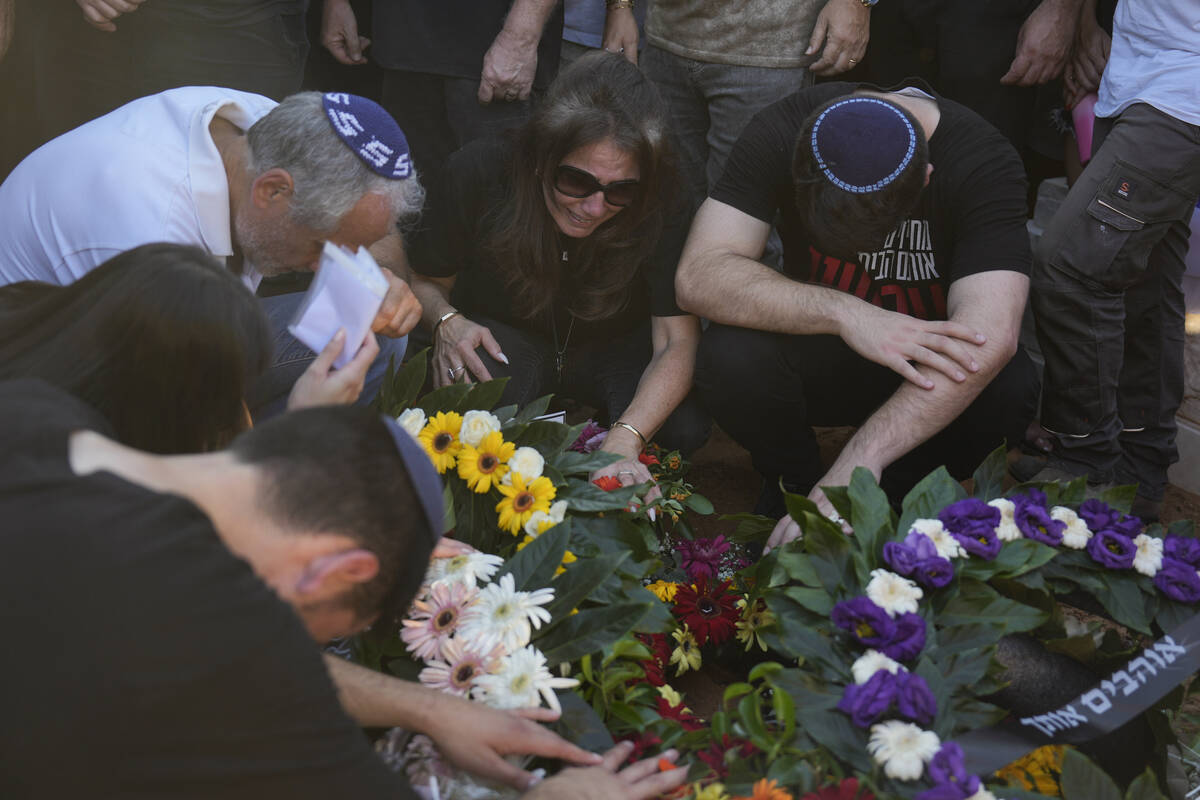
902 217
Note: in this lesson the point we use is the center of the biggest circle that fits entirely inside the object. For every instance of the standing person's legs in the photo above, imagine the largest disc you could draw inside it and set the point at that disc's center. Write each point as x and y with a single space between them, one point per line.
1131 201
417 102
470 120
675 78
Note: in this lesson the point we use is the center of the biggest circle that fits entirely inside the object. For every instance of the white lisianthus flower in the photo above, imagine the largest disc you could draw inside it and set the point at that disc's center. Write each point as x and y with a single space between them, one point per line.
526 462
982 794
502 616
902 748
1148 560
1077 534
947 546
520 678
893 593
871 662
542 521
412 420
476 425
1007 530
469 569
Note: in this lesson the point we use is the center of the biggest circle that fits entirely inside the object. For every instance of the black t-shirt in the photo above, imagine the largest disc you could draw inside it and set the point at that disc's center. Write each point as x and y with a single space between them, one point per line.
223 13
143 659
451 37
453 235
970 218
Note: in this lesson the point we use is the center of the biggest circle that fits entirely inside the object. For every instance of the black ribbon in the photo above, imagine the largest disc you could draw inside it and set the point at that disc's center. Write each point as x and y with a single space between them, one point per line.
1129 691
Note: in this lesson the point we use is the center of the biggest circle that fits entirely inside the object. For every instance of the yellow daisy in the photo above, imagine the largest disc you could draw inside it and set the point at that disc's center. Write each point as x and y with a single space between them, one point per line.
714 791
520 501
482 467
439 437
753 622
687 655
664 590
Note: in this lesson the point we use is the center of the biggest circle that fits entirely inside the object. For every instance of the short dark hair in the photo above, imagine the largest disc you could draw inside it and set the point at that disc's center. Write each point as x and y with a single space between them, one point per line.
161 339
337 470
844 223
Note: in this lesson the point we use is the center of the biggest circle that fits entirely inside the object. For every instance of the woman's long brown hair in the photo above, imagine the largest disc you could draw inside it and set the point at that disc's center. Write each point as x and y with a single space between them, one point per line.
600 96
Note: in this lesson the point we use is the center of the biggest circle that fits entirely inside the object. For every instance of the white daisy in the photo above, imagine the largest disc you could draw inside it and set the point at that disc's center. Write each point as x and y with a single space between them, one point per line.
541 521
1148 560
947 546
982 794
458 669
902 748
519 679
1007 530
412 420
468 569
526 462
871 662
502 616
476 425
1077 534
893 593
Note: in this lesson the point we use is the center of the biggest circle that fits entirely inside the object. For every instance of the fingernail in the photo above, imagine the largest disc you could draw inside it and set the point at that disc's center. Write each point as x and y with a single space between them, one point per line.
766 550
809 51
341 334
503 359
534 780
650 513
979 337
958 376
974 366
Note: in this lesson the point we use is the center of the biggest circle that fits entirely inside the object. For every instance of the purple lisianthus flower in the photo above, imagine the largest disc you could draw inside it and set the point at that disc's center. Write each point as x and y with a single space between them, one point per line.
867 622
1034 522
867 703
1127 526
1178 580
1098 514
982 542
702 557
914 698
1034 496
970 517
934 572
1182 548
900 557
1112 549
907 639
590 438
948 770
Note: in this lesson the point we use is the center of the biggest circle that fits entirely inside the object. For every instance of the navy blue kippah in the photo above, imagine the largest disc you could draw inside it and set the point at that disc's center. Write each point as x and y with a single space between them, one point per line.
862 143
370 132
424 477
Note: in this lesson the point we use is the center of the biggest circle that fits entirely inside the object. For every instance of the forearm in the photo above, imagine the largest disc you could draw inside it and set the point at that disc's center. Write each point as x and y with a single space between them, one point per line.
375 700
388 253
8 20
526 19
434 297
663 386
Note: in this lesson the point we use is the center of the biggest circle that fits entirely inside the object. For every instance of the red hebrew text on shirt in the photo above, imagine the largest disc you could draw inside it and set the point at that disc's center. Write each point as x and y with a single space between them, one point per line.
901 276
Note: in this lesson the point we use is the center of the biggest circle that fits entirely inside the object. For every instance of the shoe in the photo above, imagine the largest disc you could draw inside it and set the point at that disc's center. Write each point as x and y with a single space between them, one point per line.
1143 507
1027 466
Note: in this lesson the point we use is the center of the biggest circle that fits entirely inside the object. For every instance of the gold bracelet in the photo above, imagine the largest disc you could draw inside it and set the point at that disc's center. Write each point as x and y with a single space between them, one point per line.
611 4
442 319
631 429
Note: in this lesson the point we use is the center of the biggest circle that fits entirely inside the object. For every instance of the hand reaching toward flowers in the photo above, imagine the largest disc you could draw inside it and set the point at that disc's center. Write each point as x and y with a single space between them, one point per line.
630 472
322 385
893 340
641 781
454 347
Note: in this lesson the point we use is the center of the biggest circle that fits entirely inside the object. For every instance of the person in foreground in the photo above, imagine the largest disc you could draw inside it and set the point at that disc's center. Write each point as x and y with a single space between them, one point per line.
168 607
902 217
549 257
259 184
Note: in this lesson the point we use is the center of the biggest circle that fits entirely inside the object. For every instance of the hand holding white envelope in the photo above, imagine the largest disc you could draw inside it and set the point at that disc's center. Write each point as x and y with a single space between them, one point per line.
346 293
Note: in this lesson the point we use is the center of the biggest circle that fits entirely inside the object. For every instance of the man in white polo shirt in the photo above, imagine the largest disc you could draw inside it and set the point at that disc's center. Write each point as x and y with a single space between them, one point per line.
260 184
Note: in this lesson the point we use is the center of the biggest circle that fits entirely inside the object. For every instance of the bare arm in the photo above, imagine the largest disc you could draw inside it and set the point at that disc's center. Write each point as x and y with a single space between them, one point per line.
470 735
339 33
8 21
456 340
719 278
1044 43
400 311
510 63
840 37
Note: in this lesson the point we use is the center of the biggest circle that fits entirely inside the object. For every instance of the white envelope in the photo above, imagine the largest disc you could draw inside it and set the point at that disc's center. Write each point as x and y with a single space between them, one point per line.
346 293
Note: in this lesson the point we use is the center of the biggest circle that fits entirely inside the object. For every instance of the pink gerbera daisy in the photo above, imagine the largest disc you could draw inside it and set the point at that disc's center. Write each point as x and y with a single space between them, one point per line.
435 618
457 673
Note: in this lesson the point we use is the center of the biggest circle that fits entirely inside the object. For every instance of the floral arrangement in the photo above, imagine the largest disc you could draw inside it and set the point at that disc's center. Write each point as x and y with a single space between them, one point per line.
850 664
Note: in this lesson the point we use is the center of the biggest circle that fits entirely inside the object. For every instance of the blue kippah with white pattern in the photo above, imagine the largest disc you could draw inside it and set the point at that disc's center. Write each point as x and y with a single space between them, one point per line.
370 132
424 477
862 143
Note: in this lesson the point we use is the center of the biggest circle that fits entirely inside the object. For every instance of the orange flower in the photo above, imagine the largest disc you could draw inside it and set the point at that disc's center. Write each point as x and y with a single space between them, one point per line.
608 483
767 790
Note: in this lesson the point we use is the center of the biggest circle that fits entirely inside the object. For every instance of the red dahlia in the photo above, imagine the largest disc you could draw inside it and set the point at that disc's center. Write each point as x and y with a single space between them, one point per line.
709 610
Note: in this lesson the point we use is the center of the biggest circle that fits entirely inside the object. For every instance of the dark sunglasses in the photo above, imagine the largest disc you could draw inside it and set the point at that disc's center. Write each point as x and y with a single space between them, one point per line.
575 182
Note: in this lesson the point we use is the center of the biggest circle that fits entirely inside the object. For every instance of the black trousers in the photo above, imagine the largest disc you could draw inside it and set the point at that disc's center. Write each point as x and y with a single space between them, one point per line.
767 390
603 374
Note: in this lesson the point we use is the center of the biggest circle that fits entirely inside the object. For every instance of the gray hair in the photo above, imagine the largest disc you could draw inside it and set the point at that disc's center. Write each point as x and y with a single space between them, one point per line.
329 178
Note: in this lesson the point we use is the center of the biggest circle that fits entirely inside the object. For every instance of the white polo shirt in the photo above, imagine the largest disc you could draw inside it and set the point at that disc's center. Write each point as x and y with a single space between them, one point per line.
1155 59
147 172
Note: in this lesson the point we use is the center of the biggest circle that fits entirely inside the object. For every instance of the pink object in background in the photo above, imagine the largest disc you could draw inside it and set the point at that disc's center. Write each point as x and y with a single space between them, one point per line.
1084 117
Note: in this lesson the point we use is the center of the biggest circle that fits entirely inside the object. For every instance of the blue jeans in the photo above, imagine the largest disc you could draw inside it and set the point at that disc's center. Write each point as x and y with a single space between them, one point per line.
268 394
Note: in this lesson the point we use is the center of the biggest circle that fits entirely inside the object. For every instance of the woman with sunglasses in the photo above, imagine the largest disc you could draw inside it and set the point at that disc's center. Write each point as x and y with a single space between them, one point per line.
549 256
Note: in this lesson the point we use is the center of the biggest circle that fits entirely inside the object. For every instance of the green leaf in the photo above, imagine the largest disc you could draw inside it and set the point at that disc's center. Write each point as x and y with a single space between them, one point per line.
569 462
546 436
483 396
735 690
1182 527
1014 559
750 529
581 725
446 398
798 566
1083 780
839 498
584 495
1074 492
573 586
764 671
530 412
829 548
699 503
785 712
989 476
1124 599
404 385
505 414
533 567
1145 787
933 493
870 513
590 631
797 638
978 603
1120 497
816 600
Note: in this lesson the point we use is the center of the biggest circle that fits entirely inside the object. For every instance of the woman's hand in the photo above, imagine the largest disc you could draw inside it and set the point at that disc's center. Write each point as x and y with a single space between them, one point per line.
454 356
630 472
322 385
641 781
621 34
